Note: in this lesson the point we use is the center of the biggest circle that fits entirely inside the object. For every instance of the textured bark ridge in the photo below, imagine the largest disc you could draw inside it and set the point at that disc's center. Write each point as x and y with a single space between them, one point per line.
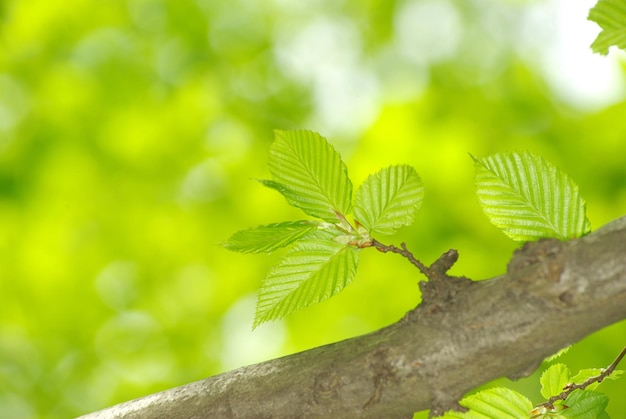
462 335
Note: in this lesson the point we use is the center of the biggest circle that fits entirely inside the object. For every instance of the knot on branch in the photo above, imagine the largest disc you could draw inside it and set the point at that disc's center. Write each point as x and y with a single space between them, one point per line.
441 287
544 256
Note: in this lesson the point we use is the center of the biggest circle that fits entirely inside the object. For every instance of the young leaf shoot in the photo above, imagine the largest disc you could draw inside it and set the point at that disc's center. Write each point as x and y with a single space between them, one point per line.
311 176
553 380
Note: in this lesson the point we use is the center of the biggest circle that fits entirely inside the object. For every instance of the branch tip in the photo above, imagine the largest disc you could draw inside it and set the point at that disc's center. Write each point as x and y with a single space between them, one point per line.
403 251
445 262
570 388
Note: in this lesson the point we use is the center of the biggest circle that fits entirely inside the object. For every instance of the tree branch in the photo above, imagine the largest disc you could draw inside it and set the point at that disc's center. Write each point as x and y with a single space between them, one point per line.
462 335
403 252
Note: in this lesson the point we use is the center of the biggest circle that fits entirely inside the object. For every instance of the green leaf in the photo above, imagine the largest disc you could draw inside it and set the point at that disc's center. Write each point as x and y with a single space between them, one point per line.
501 403
279 187
309 173
611 16
389 199
528 198
553 380
585 404
312 271
453 414
267 238
558 354
585 374
616 375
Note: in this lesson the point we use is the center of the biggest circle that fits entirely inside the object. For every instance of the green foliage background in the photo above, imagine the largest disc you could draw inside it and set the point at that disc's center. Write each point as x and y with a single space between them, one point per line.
129 134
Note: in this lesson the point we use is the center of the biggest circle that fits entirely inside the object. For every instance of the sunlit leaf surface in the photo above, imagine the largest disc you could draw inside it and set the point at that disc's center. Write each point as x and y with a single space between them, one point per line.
553 380
314 270
611 16
389 199
268 238
311 174
528 198
494 403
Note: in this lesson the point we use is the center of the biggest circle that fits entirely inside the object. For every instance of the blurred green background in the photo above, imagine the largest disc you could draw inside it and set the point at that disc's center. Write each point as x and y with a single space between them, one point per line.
131 130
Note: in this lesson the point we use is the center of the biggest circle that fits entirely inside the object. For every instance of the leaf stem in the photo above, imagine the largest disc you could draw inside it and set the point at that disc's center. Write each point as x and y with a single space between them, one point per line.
570 388
403 251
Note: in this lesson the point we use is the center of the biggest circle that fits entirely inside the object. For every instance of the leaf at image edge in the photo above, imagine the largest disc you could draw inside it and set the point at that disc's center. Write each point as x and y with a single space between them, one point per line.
312 271
610 15
499 402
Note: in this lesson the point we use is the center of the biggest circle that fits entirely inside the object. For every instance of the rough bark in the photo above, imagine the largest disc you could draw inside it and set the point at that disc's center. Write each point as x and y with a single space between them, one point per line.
462 335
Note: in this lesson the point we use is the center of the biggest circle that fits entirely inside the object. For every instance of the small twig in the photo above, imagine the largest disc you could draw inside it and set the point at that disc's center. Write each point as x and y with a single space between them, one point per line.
572 387
404 252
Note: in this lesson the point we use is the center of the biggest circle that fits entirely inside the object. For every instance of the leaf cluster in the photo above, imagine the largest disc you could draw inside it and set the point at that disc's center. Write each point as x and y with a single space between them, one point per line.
308 172
504 403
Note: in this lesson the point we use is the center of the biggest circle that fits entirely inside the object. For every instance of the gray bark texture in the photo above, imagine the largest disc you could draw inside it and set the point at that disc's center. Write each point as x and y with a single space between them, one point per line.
463 334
